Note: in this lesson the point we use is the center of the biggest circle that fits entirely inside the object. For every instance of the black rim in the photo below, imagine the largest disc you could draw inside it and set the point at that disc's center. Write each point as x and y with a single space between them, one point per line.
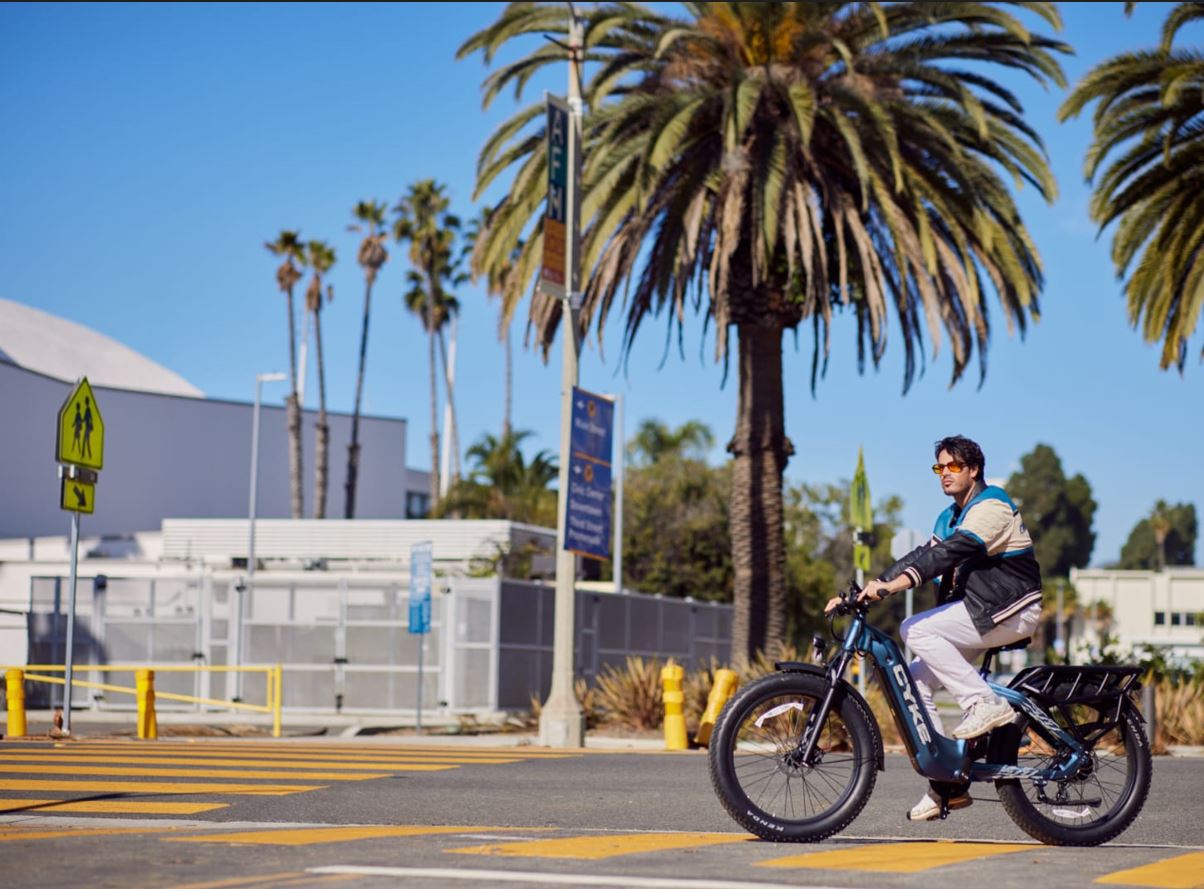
766 767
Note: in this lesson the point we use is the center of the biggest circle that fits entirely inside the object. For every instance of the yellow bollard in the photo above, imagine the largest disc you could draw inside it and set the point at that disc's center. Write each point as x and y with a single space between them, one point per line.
275 682
148 725
675 721
725 684
15 680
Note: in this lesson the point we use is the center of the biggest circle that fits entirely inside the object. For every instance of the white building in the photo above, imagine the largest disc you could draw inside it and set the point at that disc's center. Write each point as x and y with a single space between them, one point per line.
1161 608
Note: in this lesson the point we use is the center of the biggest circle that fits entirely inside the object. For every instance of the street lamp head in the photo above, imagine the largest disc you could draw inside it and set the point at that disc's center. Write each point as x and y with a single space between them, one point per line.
274 377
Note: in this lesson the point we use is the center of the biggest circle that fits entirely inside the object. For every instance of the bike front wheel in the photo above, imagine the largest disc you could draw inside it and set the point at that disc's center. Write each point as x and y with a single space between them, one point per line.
1092 807
755 770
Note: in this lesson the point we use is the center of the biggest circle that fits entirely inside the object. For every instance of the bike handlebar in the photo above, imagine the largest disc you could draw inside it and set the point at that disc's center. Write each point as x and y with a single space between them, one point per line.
849 603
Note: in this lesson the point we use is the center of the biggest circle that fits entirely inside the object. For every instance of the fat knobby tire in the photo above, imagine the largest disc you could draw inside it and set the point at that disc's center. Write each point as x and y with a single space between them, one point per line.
1022 811
771 826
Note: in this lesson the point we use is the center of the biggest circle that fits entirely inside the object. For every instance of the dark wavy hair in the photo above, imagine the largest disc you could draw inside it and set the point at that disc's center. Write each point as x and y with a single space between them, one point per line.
965 450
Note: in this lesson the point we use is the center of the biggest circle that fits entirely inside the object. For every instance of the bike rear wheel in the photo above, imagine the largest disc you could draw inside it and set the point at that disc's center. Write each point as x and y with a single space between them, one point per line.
755 772
1094 806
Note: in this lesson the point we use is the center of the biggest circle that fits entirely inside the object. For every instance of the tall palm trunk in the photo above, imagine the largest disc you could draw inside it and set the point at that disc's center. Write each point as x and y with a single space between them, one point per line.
507 402
760 450
321 429
353 449
434 420
294 418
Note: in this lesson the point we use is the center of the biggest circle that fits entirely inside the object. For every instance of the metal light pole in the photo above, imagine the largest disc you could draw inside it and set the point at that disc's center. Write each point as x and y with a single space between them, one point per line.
620 468
260 379
561 722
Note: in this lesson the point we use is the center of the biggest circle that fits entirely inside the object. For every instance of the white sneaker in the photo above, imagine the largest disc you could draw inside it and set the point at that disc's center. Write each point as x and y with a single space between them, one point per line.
929 806
986 714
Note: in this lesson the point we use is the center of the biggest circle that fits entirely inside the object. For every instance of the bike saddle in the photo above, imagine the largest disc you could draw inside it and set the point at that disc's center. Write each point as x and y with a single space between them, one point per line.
1015 646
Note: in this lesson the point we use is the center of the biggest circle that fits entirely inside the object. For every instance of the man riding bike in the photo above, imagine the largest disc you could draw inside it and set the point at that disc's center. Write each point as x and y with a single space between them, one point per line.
989 595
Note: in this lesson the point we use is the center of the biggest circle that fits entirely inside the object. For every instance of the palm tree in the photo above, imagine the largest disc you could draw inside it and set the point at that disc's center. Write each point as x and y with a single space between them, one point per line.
1160 523
496 280
288 245
502 484
772 164
654 441
321 257
1149 129
371 256
424 221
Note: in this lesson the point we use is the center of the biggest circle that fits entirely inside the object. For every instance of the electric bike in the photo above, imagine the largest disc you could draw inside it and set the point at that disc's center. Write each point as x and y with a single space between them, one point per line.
794 755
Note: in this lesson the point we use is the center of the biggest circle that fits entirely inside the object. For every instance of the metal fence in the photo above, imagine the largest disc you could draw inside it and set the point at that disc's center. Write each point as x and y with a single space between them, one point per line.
344 642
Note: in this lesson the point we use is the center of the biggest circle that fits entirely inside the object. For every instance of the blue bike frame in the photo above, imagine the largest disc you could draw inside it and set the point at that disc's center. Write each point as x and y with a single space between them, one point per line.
933 755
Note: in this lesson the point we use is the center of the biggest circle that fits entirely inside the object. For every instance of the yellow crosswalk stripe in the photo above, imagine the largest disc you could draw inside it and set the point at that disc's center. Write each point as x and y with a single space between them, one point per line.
905 858
597 847
154 787
159 772
18 834
169 757
1180 872
107 807
304 836
340 750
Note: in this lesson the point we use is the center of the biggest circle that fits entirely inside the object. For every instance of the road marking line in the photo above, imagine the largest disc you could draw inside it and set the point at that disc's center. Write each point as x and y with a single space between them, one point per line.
105 807
899 858
593 848
558 879
305 836
147 772
236 882
17 834
1180 872
156 787
167 757
277 881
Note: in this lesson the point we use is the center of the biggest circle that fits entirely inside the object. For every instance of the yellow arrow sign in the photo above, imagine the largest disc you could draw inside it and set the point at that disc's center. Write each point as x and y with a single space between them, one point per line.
81 431
77 496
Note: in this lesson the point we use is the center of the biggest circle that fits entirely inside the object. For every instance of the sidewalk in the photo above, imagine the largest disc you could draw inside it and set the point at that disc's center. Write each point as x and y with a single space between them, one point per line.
360 729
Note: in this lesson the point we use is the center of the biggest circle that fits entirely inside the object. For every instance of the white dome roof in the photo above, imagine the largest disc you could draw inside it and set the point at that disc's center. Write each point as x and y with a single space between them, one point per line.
62 349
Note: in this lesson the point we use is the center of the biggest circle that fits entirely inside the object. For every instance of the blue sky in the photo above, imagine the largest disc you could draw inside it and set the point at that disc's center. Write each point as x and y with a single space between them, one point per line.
150 150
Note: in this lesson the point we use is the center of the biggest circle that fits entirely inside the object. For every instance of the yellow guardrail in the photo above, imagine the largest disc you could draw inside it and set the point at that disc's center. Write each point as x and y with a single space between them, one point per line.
143 690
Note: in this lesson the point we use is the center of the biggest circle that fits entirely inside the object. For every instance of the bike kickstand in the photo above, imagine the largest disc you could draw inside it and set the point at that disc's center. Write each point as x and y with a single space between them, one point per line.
944 808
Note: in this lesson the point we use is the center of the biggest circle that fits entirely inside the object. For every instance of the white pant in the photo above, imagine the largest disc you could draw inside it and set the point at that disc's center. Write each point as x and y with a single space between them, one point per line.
945 640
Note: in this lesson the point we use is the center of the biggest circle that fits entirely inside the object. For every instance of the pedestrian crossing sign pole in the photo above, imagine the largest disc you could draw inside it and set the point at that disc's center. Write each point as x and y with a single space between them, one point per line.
79 450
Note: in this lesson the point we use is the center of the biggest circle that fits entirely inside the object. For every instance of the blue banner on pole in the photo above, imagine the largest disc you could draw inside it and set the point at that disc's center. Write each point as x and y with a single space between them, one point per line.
421 572
589 509
592 433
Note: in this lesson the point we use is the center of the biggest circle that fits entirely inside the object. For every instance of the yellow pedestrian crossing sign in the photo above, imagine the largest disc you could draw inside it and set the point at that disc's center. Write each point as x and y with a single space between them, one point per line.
81 431
77 496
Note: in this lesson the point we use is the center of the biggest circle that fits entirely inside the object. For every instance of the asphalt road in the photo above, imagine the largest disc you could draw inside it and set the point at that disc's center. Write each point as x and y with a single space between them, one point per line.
357 814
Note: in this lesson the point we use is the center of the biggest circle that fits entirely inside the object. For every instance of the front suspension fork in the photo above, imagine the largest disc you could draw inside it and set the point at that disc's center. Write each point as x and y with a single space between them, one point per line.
804 753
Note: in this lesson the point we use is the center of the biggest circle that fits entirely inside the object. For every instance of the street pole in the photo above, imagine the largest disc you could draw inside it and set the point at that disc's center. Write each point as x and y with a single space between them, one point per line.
561 723
619 470
1060 639
69 678
260 379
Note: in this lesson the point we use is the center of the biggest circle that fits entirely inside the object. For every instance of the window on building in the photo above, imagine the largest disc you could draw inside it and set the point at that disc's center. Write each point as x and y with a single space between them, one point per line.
417 505
1189 619
1159 618
1176 618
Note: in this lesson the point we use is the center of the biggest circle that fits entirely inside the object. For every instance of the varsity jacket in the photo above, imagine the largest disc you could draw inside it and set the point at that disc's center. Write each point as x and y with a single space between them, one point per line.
982 554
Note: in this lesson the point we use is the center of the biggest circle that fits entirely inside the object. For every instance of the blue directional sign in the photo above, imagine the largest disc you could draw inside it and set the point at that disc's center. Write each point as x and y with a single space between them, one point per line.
589 508
593 426
421 573
588 517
